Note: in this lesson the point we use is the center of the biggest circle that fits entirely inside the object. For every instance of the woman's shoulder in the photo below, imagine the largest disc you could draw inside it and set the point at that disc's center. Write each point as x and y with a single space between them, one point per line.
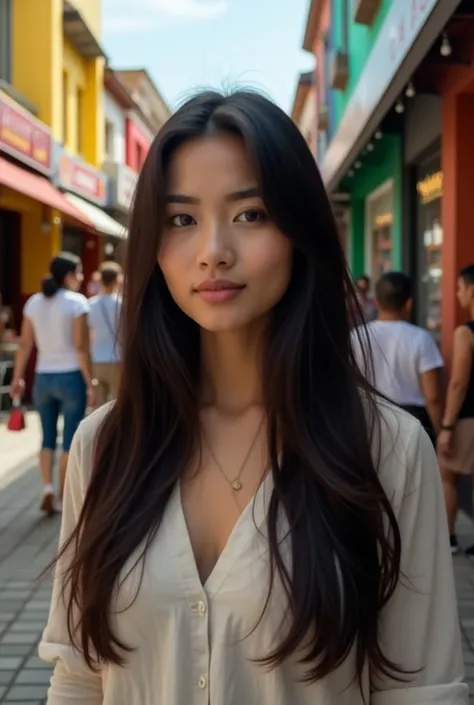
402 451
84 440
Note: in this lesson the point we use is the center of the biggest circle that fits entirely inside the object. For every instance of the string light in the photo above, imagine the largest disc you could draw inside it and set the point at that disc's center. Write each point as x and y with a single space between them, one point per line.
445 48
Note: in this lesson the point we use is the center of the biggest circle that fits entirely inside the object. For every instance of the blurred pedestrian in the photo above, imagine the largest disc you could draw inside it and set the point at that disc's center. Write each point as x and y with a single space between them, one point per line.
93 285
248 523
456 440
366 302
406 365
56 321
103 323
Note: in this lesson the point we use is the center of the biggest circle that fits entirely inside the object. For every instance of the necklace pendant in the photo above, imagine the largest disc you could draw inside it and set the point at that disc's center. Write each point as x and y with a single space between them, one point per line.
236 485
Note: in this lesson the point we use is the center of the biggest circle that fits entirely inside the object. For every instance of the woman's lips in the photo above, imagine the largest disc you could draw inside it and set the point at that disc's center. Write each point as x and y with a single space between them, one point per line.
216 291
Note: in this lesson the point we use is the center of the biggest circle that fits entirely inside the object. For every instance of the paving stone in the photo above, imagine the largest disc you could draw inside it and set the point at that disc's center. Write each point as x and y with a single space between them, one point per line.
33 677
26 692
15 649
19 638
10 663
32 627
35 662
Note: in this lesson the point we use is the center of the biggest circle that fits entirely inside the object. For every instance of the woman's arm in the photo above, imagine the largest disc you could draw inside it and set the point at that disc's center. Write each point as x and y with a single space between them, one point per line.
73 683
457 388
460 374
27 340
432 388
419 627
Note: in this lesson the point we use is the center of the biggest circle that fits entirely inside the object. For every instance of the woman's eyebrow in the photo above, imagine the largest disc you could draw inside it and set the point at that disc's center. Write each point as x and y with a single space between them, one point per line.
240 195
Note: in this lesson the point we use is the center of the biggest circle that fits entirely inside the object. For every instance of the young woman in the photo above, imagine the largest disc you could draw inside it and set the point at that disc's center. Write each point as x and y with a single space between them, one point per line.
456 440
247 524
56 321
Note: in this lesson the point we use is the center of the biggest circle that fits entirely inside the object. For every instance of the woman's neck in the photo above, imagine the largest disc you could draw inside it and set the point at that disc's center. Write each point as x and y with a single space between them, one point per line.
231 376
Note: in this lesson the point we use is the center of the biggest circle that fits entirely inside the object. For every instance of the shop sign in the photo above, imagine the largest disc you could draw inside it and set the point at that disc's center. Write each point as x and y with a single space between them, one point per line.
430 188
122 182
75 175
402 26
24 137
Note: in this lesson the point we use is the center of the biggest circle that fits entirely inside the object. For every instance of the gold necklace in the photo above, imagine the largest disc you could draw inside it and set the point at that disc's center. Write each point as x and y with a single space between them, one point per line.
236 483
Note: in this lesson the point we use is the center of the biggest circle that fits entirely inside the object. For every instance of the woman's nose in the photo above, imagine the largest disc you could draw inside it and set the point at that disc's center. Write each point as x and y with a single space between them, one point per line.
215 248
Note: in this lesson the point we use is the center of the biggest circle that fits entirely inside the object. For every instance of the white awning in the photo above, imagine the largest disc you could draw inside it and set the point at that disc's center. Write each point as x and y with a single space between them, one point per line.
103 223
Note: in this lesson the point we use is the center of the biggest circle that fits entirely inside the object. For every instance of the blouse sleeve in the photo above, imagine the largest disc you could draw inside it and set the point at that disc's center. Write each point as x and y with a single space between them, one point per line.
72 683
419 628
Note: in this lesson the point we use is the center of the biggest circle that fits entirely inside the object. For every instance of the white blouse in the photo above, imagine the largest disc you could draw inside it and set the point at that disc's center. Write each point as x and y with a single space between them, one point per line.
196 645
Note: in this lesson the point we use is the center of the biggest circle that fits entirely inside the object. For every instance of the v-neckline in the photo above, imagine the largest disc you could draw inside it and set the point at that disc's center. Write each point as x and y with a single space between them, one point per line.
226 558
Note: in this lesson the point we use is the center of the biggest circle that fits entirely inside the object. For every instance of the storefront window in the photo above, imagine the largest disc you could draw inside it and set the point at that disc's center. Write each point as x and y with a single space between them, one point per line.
380 223
430 190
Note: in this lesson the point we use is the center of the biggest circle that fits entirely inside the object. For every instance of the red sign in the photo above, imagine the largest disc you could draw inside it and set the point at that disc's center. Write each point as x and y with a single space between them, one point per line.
82 178
24 137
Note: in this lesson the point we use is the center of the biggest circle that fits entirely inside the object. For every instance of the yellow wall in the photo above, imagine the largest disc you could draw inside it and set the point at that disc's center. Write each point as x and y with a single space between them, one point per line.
90 11
37 57
41 56
75 69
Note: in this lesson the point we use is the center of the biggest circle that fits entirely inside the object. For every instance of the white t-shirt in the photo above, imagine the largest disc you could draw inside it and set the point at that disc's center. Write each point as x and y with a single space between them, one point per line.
401 352
52 320
103 320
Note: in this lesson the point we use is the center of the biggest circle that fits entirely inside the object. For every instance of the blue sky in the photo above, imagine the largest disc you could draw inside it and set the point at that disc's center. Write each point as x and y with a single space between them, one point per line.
189 44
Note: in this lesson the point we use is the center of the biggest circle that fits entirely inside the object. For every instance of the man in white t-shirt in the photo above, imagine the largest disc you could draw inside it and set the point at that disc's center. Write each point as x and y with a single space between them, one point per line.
406 364
103 323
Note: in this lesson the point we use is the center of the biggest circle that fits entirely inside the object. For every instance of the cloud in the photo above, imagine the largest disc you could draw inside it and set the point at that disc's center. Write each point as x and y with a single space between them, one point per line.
123 16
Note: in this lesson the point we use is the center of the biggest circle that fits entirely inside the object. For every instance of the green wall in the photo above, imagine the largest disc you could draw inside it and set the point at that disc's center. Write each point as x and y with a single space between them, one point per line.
386 163
360 43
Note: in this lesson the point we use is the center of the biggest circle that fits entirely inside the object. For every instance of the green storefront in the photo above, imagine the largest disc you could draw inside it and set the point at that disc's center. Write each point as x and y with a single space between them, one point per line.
376 208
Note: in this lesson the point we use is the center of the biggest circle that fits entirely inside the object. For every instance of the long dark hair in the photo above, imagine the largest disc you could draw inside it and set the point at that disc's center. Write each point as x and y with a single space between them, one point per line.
60 266
344 536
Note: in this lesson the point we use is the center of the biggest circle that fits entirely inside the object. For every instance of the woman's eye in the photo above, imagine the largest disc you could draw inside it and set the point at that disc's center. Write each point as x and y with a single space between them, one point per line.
181 220
252 215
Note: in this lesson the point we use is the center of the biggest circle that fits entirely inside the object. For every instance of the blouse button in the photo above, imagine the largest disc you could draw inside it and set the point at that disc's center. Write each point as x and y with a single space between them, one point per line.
202 682
199 607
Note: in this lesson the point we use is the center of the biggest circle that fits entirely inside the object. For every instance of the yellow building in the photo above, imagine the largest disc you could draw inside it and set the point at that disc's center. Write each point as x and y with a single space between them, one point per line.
58 66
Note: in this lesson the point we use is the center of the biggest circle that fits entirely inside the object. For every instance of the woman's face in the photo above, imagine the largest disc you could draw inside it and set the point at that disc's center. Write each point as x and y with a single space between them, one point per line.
74 280
225 263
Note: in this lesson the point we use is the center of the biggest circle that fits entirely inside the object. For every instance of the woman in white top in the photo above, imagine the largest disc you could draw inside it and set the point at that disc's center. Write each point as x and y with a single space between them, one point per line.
247 524
56 321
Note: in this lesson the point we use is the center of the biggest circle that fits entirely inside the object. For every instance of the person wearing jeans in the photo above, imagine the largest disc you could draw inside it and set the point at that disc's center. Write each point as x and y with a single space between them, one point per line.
56 321
103 322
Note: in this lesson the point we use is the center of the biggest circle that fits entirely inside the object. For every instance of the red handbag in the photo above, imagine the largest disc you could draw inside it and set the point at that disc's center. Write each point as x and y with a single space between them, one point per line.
16 420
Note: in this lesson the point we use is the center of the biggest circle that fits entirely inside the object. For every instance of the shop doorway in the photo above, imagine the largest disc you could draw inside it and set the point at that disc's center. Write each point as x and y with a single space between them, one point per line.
10 239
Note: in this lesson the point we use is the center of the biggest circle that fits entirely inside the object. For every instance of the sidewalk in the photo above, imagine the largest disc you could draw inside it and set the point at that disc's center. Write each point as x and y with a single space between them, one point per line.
28 542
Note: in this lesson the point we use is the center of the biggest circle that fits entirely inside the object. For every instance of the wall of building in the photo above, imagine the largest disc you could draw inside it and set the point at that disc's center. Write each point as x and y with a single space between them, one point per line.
37 32
137 143
91 13
360 40
113 113
50 82
365 181
307 121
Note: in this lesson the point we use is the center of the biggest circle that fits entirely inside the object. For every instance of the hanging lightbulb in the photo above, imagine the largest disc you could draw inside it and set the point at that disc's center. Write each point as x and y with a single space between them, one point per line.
410 91
350 172
399 107
445 48
378 135
370 147
358 164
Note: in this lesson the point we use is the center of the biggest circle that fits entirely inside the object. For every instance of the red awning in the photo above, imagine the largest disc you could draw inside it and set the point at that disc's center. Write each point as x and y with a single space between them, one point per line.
38 188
